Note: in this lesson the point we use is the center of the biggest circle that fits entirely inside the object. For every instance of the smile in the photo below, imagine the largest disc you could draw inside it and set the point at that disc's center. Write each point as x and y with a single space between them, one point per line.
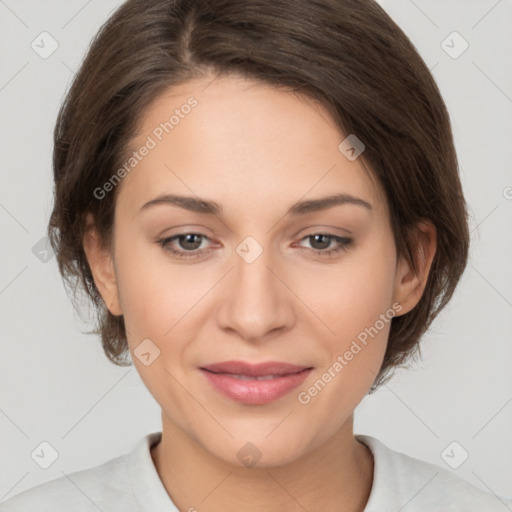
255 384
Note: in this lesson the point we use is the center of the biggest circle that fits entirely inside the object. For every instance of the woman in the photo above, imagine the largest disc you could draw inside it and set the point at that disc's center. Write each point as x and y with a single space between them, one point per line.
262 200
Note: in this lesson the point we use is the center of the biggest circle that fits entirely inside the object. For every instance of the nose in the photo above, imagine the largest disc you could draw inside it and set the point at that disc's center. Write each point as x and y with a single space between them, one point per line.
256 303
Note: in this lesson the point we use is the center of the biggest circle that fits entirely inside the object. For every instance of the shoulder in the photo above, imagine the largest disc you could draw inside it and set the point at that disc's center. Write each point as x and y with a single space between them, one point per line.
403 481
91 489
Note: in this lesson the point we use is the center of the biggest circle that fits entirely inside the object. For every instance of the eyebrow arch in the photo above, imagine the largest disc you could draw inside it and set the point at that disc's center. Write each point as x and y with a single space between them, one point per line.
302 207
188 203
314 205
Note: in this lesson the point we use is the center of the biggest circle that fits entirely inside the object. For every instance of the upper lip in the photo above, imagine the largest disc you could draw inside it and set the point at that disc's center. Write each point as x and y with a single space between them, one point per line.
254 370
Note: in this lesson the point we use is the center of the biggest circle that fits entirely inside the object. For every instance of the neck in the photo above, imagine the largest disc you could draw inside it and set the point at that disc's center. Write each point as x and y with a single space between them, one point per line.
336 476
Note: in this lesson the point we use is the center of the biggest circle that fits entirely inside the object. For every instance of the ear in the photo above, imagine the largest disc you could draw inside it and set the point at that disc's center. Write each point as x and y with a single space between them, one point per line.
409 282
101 264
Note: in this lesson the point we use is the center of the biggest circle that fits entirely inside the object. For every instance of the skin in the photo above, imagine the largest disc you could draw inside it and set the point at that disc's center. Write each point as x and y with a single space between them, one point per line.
256 151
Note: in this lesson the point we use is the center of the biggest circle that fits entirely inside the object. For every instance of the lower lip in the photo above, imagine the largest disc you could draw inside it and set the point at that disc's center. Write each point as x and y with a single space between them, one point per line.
256 392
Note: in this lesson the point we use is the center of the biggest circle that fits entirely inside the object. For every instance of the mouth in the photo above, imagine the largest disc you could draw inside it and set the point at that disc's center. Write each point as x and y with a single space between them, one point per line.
255 384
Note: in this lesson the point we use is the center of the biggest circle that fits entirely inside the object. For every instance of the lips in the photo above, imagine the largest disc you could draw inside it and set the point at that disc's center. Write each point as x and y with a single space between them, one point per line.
254 370
255 384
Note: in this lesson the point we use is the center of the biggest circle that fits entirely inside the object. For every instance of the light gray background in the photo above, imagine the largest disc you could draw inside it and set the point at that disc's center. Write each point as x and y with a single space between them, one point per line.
57 386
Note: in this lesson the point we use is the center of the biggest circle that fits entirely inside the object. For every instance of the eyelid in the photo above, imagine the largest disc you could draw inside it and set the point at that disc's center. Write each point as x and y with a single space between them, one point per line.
326 229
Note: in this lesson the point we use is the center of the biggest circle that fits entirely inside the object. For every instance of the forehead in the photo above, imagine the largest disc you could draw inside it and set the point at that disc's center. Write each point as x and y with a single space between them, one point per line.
244 143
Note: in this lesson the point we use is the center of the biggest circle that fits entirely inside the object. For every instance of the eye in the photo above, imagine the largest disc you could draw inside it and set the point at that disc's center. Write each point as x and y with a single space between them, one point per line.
322 243
190 242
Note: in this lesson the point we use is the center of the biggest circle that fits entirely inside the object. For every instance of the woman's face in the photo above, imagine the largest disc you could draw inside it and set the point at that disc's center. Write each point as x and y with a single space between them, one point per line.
251 282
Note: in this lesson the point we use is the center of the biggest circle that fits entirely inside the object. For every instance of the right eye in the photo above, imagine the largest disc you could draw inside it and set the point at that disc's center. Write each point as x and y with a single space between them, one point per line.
190 243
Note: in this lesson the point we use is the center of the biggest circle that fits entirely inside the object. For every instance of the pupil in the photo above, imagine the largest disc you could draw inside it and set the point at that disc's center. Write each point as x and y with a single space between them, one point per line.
325 243
189 239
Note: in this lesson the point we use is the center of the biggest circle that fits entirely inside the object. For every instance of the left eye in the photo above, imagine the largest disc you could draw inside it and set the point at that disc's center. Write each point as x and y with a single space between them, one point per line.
190 243
324 240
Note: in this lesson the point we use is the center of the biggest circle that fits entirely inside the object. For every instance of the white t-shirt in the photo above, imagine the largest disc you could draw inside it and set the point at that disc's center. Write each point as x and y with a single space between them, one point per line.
130 483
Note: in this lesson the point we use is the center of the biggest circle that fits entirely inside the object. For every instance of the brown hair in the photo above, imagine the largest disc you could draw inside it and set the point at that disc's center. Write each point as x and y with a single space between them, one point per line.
347 54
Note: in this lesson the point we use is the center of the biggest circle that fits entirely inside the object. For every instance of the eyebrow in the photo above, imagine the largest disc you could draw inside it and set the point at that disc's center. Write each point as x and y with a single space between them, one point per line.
205 206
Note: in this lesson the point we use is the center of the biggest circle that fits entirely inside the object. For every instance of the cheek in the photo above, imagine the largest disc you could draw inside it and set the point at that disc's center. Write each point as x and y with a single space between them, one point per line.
356 292
154 295
157 301
355 302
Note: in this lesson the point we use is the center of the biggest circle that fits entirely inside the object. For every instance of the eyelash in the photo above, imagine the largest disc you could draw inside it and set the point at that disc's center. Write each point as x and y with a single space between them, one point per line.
343 244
